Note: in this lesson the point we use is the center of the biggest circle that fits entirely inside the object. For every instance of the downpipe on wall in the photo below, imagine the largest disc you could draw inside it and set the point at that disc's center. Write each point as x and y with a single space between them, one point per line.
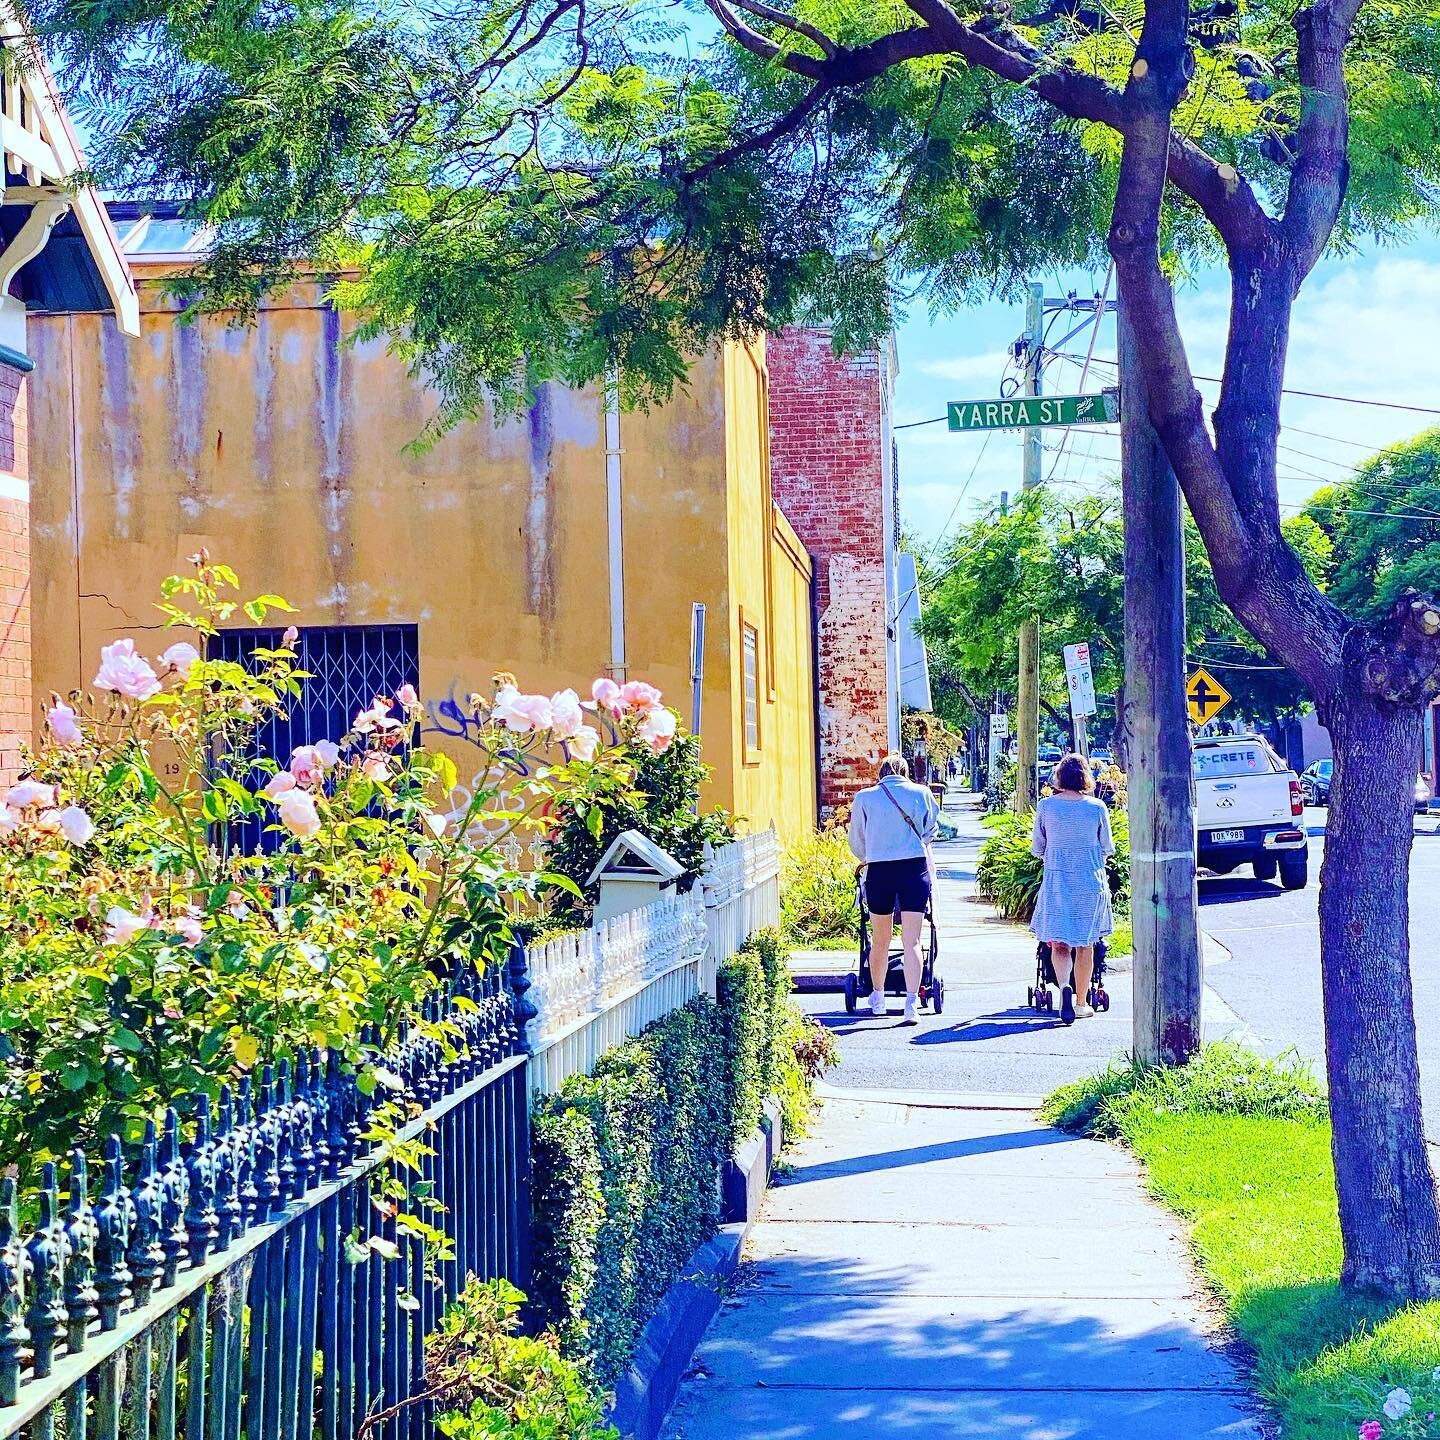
615 524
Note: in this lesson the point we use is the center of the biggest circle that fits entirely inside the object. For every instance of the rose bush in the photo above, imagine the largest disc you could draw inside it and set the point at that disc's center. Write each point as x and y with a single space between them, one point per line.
148 958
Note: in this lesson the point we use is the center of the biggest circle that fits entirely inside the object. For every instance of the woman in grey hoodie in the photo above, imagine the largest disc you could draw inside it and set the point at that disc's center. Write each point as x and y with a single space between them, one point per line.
891 827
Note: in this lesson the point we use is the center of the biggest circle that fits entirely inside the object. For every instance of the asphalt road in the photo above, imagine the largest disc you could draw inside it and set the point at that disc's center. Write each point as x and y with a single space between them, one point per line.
1271 979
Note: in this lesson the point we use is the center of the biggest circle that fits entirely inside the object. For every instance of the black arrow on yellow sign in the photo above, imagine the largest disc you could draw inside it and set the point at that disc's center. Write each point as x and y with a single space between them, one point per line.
1205 696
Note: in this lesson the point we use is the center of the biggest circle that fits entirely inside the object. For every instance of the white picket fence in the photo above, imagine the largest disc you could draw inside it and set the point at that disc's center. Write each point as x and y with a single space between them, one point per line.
741 882
596 987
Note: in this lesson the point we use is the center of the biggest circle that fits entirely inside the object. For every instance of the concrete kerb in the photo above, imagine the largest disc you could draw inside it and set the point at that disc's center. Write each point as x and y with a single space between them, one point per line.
647 1389
932 1099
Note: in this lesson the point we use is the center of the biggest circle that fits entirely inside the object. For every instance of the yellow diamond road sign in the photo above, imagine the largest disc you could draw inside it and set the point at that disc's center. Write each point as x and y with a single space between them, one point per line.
1205 696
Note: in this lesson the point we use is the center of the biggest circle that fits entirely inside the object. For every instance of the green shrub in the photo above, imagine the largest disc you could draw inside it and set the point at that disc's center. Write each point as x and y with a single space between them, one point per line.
626 1162
487 1382
1121 941
817 889
660 800
1007 874
1222 1080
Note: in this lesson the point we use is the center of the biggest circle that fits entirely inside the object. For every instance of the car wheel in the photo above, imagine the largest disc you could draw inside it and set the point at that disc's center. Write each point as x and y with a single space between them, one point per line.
1295 870
1265 867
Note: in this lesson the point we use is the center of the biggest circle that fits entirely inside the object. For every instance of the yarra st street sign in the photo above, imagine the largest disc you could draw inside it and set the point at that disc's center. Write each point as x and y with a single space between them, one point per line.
1026 411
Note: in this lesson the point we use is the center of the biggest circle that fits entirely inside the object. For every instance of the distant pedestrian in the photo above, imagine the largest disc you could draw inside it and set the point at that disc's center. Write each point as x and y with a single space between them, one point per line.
1072 837
891 827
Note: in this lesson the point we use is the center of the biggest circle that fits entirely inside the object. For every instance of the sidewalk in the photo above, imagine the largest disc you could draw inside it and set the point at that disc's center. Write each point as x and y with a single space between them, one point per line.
988 1039
908 1279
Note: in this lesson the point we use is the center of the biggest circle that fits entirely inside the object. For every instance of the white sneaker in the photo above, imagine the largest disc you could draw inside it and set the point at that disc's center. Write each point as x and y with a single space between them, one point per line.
910 1016
1083 1011
877 1002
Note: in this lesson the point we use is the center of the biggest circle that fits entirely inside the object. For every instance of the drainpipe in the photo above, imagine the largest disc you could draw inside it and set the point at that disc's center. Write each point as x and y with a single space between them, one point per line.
615 525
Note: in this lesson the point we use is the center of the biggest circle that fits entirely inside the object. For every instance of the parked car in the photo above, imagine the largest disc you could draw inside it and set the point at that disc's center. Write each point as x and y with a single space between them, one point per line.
1315 782
1247 811
1050 754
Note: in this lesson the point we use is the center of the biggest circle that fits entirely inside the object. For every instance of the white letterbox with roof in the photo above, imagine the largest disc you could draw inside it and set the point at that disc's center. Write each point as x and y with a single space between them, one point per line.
634 871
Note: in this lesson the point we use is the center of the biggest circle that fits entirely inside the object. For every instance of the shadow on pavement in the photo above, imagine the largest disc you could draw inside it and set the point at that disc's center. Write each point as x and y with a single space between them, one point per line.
992 1027
1220 889
819 1349
926 1154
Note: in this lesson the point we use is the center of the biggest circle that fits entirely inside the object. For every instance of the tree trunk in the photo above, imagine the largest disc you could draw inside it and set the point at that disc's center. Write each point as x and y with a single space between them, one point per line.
1117 745
1388 1212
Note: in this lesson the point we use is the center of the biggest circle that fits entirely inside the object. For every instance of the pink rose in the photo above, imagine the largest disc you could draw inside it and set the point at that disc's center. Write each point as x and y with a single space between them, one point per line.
521 713
187 928
30 792
407 696
377 717
61 719
298 814
125 672
566 716
657 729
376 768
122 926
606 694
310 762
237 907
584 742
639 696
288 639
181 658
281 783
1371 1430
9 820
305 766
76 826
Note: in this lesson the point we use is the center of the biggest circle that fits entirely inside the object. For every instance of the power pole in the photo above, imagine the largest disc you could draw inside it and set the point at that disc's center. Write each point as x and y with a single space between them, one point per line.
1027 723
1164 905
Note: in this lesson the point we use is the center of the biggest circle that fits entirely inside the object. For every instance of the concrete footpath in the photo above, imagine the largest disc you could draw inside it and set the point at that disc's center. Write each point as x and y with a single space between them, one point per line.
938 1263
931 1270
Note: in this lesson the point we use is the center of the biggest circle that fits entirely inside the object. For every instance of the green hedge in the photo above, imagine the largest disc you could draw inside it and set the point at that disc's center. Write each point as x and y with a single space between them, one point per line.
627 1160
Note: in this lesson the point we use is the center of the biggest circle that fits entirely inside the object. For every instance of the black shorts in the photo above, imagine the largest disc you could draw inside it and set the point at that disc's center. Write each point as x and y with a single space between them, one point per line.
892 885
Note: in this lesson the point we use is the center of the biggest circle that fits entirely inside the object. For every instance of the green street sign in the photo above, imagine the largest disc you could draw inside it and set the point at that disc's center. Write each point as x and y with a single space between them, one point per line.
1027 411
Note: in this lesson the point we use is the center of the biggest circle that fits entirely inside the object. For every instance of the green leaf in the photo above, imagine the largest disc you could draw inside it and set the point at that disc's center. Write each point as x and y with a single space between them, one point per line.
127 1040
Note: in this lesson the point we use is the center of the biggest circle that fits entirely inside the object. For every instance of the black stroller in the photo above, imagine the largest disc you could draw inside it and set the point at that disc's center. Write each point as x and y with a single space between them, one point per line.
932 987
1042 998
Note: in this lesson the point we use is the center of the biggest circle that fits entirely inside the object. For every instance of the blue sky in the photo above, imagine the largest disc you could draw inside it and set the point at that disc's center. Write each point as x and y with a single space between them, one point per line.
1363 327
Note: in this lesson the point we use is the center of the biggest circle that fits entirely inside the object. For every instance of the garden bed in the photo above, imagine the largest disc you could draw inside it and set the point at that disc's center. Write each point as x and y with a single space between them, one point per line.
1240 1147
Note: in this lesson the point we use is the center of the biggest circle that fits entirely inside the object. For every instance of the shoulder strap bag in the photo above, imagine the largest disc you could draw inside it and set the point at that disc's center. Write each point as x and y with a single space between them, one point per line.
909 819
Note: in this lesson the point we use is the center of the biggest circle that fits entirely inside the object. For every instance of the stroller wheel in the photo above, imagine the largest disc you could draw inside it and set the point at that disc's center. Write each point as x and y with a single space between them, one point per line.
937 996
1030 997
1102 1000
849 994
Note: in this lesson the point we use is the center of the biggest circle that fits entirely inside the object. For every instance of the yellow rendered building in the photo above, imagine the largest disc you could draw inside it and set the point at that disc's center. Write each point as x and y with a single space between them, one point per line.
570 543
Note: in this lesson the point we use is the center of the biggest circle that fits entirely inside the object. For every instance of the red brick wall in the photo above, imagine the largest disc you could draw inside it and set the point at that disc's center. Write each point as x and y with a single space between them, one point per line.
827 432
16 712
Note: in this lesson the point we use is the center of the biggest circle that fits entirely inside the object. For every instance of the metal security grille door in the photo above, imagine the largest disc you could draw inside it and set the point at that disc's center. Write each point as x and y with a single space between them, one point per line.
348 666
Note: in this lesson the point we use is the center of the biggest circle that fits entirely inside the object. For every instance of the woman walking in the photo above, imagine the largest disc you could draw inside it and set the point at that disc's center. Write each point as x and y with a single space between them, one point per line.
891 827
1072 837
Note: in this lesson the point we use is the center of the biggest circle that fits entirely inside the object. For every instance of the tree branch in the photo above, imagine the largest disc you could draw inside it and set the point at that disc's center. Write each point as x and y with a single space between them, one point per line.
815 36
790 121
1322 167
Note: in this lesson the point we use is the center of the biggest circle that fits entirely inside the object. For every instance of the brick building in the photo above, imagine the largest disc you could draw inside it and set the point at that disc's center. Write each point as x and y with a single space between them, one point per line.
58 249
833 474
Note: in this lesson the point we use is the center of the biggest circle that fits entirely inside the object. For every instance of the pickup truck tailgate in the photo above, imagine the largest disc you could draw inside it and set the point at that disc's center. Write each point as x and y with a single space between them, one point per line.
1236 785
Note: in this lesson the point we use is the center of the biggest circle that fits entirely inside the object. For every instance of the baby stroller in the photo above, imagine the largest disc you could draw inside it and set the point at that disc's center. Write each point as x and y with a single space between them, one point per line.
932 987
1042 998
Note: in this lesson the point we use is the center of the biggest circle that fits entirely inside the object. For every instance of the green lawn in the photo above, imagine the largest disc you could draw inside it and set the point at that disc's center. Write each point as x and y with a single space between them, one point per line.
1241 1149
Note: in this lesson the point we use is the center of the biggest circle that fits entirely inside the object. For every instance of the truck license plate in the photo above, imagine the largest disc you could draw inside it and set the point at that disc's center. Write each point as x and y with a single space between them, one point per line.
1225 837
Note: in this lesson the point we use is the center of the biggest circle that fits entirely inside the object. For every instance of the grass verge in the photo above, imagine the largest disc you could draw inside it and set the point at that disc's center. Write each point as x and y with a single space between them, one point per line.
1240 1147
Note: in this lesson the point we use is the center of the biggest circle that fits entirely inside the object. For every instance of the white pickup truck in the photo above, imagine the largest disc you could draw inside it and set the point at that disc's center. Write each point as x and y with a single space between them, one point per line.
1249 810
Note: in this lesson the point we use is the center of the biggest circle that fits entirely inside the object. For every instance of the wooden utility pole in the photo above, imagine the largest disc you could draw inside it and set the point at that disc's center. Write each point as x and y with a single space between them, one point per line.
1164 904
1027 703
